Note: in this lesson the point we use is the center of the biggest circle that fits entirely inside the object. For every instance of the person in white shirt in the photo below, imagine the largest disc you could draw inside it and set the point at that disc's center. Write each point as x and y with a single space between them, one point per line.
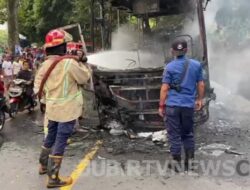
7 68
17 66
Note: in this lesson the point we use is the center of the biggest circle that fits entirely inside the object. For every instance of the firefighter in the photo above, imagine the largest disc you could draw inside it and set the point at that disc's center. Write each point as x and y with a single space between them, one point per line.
83 59
63 100
181 93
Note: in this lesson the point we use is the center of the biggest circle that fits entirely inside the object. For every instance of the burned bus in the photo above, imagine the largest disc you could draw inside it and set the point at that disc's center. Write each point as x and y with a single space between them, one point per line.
128 82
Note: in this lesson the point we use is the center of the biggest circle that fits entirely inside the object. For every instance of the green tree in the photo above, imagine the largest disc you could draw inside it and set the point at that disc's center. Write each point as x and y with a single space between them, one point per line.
233 21
3 11
36 17
27 20
52 14
81 12
13 34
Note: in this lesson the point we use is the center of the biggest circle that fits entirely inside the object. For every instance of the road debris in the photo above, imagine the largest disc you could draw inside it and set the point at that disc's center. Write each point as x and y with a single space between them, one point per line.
101 158
145 135
217 150
116 128
234 152
215 146
159 136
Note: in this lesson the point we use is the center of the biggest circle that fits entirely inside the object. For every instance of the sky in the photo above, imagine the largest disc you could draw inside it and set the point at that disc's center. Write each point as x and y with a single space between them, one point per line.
3 26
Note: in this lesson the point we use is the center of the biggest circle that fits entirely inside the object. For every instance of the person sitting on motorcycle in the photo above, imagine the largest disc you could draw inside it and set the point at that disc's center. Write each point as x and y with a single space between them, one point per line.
27 74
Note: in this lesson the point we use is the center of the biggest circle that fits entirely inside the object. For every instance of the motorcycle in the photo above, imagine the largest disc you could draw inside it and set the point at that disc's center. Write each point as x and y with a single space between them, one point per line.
3 104
18 99
3 109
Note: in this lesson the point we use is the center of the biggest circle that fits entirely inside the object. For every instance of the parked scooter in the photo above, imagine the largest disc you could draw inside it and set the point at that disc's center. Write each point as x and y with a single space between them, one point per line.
18 98
3 109
3 104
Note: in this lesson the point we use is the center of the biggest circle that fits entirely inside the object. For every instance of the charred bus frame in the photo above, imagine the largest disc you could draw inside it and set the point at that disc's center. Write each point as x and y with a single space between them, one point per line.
132 96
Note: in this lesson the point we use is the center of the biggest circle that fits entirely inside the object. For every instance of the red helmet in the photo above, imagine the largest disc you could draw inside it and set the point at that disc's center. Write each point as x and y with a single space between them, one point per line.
57 37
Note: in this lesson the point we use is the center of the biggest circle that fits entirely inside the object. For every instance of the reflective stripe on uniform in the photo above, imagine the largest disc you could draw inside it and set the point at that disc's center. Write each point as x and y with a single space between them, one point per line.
79 93
66 79
65 96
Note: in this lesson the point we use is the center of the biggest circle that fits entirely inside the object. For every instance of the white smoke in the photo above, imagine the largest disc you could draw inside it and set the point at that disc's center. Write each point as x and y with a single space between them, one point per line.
229 64
210 14
125 38
126 52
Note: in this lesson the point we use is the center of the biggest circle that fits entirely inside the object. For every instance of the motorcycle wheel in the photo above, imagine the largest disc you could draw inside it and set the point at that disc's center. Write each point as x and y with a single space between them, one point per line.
2 120
13 109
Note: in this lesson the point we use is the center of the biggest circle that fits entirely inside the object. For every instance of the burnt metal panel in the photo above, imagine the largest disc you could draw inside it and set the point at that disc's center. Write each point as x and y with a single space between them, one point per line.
146 6
153 8
132 97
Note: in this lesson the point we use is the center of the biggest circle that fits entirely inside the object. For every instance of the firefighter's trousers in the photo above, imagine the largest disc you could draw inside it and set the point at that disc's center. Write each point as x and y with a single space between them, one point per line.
58 134
180 127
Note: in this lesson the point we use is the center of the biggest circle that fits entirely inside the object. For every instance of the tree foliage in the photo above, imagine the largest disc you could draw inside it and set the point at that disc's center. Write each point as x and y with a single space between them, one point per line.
27 21
3 11
81 12
3 38
233 21
36 18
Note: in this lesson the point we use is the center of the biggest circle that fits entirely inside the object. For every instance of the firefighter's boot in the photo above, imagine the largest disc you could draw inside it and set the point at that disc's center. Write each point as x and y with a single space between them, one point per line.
54 181
43 160
175 164
189 160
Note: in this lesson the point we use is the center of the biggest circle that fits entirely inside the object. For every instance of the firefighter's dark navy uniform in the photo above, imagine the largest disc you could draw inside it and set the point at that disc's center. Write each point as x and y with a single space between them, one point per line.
180 104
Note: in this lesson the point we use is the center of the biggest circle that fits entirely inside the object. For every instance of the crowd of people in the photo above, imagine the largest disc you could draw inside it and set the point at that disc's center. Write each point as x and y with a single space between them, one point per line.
12 66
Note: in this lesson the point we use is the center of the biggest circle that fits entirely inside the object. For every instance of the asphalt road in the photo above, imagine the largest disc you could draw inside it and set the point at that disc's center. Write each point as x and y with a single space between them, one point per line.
97 160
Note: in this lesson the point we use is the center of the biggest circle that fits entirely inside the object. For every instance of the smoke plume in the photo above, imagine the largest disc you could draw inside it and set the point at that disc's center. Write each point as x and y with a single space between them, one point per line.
228 38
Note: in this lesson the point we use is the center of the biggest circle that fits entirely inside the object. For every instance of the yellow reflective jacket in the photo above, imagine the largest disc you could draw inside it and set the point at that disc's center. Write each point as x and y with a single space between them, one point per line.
63 97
